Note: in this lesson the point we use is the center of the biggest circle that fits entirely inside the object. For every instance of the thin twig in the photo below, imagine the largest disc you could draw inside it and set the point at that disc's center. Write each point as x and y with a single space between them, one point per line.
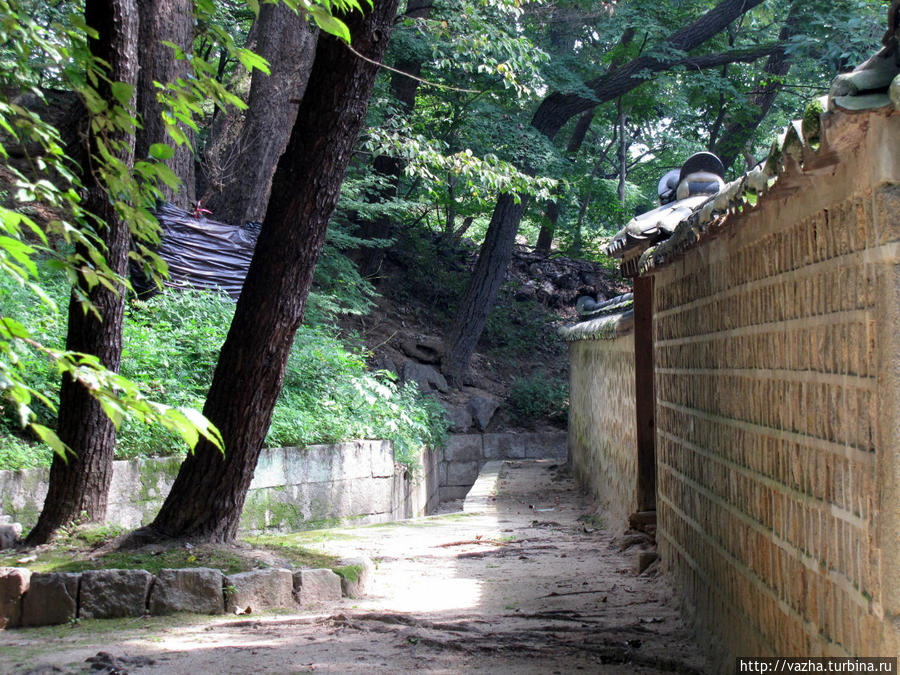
410 75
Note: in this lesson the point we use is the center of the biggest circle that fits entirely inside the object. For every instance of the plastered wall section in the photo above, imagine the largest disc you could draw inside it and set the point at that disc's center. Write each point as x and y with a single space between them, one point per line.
777 348
602 426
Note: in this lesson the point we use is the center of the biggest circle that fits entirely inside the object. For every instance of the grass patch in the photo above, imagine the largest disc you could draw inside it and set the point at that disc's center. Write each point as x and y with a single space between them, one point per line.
81 549
349 572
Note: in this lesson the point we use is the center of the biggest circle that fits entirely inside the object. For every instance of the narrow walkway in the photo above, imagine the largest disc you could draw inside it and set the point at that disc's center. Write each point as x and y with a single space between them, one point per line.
524 580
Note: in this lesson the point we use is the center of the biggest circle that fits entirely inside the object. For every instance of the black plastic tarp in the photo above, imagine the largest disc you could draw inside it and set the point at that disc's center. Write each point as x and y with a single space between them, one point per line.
203 253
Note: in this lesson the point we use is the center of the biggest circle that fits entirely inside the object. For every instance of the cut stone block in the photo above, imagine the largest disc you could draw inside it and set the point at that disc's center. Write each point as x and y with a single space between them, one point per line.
449 493
13 585
51 598
462 473
196 590
504 446
109 594
259 589
546 445
9 534
463 448
644 560
316 587
357 576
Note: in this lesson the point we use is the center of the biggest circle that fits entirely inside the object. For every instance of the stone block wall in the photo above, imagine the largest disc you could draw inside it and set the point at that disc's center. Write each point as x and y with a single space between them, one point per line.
292 488
777 353
306 488
602 429
464 455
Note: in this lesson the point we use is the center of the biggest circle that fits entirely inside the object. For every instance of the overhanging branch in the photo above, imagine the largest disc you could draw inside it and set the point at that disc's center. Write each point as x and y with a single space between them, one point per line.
747 55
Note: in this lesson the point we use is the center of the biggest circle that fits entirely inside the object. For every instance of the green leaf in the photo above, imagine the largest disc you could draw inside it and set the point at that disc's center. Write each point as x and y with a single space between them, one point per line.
250 60
123 92
113 410
204 426
10 328
49 437
167 176
161 151
330 24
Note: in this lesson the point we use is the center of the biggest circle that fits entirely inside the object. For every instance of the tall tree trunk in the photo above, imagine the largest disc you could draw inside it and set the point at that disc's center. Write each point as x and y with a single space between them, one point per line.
172 21
240 174
208 495
403 89
622 155
79 485
488 276
738 132
545 236
553 112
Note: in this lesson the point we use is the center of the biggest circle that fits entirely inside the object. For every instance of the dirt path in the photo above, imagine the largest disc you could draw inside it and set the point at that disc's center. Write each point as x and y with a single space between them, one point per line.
522 585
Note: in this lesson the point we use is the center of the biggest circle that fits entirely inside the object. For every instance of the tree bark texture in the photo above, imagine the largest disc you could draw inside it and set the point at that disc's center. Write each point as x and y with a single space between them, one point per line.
550 116
208 495
488 276
621 155
240 174
173 21
545 236
403 89
79 485
739 131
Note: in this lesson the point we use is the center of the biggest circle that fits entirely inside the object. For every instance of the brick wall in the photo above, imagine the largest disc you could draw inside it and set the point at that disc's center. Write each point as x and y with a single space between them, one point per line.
602 431
777 378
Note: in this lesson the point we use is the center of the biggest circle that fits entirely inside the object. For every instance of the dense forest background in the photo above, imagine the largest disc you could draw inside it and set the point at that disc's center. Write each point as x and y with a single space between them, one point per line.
371 141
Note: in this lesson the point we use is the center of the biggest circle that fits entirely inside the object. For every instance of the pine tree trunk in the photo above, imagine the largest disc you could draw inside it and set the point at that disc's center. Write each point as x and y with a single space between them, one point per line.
478 301
79 486
545 236
172 21
206 500
240 174
622 155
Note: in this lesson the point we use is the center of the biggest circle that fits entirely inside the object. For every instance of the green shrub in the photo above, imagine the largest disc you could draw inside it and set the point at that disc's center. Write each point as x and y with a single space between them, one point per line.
17 453
329 396
171 343
520 329
539 396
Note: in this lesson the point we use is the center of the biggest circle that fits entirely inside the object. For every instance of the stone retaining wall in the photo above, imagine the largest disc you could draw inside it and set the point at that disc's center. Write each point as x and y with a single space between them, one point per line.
307 488
464 455
777 356
292 488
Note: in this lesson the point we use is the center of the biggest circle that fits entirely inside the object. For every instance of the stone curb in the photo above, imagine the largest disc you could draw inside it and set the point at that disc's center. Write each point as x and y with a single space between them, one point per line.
484 488
43 599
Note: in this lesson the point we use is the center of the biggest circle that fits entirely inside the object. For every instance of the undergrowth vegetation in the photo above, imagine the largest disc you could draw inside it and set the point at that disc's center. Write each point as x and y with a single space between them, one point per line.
171 345
539 396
